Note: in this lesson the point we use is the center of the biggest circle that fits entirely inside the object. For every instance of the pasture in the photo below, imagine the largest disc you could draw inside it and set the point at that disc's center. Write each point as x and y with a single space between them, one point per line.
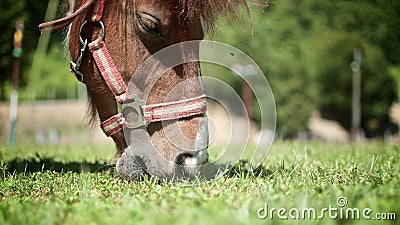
74 185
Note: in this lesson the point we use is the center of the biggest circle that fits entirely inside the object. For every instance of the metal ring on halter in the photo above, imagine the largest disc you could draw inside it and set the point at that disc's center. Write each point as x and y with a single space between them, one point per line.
137 105
81 28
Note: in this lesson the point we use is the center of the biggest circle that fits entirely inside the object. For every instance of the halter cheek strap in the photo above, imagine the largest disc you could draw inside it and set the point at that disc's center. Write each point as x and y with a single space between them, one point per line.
115 82
108 70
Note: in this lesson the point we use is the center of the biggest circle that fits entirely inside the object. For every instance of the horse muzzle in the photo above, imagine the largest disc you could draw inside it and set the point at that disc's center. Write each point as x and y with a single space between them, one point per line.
146 154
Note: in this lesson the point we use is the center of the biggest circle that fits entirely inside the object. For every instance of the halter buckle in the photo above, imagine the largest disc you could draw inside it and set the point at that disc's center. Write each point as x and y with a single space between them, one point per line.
76 67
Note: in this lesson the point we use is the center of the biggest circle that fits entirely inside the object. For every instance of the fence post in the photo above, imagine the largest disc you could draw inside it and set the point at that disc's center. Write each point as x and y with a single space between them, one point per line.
356 95
17 52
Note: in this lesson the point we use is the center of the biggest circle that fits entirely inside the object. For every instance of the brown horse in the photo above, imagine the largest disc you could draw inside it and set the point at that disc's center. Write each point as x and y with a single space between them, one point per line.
134 31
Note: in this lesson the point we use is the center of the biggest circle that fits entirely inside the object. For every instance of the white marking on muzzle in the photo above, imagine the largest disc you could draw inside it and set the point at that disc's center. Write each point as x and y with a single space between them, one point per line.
200 145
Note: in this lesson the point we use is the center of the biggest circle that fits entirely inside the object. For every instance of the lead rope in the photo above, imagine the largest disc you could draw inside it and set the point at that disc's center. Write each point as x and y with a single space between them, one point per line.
59 24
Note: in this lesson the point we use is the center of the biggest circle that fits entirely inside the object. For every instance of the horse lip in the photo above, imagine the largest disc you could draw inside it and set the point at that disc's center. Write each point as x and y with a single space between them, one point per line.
129 166
134 164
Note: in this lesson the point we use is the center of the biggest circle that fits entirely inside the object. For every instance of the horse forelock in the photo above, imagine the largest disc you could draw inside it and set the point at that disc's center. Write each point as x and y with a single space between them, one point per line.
210 10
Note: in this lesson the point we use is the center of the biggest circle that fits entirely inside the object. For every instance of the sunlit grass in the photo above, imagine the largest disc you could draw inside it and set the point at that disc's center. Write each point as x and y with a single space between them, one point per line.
294 175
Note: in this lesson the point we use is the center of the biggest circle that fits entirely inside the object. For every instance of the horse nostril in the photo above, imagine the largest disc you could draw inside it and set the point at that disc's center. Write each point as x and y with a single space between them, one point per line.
192 159
182 159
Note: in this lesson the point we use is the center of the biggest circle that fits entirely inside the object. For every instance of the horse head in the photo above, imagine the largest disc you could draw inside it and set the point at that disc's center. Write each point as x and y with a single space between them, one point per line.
143 40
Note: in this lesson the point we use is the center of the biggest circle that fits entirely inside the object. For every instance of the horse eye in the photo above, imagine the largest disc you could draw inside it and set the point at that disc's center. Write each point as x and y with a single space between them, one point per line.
149 24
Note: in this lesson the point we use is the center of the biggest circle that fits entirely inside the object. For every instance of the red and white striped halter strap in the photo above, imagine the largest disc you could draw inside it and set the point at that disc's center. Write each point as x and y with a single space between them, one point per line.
115 82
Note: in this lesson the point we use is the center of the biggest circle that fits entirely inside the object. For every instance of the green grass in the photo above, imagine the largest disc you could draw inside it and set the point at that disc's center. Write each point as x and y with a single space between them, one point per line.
295 175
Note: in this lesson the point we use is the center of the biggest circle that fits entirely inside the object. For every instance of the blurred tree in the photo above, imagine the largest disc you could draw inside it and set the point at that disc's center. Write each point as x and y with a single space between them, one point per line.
305 48
54 81
372 26
53 75
277 47
32 13
11 11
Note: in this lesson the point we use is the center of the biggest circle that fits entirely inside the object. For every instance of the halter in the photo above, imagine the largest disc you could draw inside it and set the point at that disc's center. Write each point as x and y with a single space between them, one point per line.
111 75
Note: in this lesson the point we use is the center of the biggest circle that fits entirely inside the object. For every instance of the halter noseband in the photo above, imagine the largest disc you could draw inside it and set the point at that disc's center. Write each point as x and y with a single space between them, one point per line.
115 82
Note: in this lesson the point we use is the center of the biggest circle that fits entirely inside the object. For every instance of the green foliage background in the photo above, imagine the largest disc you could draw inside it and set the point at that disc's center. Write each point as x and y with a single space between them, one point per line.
304 48
53 64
